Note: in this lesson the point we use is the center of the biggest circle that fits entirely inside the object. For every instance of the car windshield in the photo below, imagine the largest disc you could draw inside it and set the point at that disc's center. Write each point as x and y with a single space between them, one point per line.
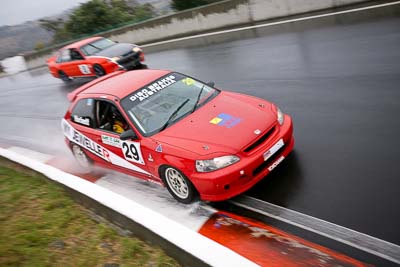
96 46
163 102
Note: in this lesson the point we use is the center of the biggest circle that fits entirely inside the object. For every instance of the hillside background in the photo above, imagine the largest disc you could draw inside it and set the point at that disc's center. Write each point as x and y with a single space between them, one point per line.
25 37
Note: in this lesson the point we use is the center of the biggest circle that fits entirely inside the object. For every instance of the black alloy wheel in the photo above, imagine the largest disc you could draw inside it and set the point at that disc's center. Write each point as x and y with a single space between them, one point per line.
98 70
64 77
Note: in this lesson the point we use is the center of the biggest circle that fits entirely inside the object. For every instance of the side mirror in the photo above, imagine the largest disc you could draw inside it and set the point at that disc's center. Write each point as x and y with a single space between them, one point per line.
128 134
211 84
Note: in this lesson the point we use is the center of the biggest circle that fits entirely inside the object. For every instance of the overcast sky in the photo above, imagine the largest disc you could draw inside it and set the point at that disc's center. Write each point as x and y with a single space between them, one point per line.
14 12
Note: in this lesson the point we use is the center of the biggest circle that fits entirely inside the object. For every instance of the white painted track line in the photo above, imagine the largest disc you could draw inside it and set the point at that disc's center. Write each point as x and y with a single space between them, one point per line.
30 153
369 244
157 198
272 24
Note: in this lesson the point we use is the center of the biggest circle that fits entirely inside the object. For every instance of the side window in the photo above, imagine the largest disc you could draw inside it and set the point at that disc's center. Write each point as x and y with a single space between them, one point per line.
75 55
83 112
65 56
109 118
59 57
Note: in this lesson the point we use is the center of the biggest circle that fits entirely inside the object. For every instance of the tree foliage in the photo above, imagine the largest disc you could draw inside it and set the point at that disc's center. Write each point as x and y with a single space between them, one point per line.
186 4
39 45
97 15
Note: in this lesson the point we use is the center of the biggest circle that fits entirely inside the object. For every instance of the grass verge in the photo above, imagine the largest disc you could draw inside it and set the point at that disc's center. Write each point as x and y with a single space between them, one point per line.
41 226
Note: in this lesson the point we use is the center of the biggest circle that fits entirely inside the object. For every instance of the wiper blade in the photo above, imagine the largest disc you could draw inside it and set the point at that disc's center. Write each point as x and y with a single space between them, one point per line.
198 99
94 46
98 49
173 115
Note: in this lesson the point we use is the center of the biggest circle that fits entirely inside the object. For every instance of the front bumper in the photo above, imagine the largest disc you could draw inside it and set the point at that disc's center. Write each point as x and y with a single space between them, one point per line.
131 61
239 177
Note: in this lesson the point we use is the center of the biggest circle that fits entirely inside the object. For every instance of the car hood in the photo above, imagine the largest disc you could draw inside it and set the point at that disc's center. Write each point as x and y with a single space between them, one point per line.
119 49
226 124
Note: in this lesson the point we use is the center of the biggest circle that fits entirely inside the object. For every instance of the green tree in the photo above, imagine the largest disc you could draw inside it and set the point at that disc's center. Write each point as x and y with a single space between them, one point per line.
97 15
57 28
39 45
143 12
186 4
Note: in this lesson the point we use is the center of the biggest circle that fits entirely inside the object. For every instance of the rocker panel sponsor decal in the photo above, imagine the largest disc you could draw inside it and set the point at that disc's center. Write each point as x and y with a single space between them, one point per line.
80 139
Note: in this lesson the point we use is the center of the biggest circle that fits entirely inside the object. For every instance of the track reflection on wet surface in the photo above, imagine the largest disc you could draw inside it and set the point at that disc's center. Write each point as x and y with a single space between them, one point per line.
339 83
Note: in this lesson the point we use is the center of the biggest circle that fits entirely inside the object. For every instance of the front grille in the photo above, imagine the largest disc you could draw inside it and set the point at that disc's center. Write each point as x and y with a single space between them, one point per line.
268 162
128 53
129 60
260 140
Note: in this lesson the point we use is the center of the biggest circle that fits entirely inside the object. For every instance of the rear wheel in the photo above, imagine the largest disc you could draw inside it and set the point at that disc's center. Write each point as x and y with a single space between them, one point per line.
64 77
81 158
98 70
178 185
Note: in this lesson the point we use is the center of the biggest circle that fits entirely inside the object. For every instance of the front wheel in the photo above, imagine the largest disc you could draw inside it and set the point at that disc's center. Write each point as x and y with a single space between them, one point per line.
81 158
99 71
178 185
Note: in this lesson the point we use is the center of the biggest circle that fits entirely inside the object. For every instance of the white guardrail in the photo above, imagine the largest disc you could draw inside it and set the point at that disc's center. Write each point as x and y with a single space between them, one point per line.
12 65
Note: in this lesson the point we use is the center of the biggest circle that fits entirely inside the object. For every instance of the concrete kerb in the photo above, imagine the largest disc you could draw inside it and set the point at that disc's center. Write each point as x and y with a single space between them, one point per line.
186 246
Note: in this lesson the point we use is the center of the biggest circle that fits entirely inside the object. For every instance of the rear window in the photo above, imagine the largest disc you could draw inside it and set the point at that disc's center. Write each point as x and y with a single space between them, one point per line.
64 56
83 112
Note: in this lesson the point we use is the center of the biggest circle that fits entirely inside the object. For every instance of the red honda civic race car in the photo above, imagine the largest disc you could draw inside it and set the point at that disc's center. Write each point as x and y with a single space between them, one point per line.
94 56
172 129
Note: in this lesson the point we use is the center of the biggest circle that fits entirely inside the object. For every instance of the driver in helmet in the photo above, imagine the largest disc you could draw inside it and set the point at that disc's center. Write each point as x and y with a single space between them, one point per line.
119 124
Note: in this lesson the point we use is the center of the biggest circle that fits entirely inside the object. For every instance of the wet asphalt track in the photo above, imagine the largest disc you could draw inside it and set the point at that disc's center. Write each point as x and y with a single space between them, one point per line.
341 84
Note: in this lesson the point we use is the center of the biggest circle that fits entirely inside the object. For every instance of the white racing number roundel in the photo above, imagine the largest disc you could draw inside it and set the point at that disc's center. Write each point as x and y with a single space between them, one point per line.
131 151
84 69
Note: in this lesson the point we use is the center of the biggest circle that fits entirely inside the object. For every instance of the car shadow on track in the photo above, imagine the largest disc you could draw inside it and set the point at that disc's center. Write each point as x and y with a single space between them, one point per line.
282 184
77 82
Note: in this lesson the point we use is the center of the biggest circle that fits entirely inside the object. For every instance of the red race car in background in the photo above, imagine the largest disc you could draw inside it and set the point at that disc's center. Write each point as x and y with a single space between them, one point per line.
169 128
94 56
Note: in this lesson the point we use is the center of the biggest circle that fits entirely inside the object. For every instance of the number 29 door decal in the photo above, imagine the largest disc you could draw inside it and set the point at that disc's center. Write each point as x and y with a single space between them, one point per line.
131 151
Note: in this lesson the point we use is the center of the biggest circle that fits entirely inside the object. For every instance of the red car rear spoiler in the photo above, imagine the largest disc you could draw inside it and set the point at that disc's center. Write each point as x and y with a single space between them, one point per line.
72 96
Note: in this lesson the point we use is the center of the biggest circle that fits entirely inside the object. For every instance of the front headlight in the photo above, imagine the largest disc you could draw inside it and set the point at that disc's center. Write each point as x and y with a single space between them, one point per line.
281 117
215 163
114 59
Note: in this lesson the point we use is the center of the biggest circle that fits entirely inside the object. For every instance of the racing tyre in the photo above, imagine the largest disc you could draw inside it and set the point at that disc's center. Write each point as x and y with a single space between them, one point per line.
81 158
64 77
98 70
178 185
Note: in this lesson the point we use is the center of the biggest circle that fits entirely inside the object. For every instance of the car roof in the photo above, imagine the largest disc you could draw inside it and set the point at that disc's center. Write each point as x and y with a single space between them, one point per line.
82 42
121 84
